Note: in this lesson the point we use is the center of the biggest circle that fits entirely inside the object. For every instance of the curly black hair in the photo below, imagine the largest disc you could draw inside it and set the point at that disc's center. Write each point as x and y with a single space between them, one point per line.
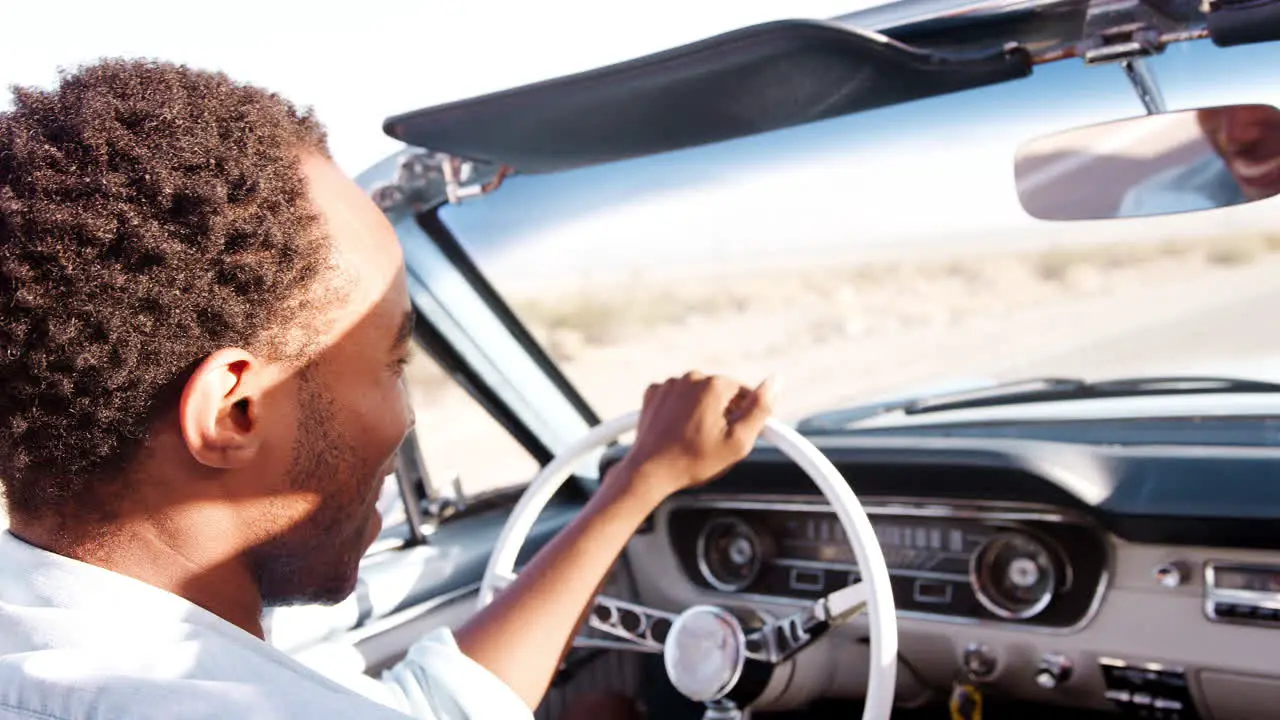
150 213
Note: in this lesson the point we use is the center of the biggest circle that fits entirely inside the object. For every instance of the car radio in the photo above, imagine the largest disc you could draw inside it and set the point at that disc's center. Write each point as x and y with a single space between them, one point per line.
1148 690
1242 593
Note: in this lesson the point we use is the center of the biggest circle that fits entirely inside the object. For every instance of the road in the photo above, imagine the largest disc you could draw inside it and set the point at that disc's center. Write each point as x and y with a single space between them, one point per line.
1237 336
1140 321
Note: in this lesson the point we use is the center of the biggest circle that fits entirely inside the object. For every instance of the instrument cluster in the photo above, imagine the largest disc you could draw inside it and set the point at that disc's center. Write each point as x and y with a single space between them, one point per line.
1038 568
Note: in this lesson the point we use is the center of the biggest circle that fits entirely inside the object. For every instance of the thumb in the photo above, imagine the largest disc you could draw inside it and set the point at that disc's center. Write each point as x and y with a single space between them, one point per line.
755 410
768 390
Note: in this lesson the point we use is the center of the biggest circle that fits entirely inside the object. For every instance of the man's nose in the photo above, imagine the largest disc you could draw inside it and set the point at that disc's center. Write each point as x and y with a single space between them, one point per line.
410 412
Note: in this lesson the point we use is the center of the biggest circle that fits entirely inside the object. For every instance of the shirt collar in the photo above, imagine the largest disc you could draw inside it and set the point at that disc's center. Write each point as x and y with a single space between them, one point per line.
33 576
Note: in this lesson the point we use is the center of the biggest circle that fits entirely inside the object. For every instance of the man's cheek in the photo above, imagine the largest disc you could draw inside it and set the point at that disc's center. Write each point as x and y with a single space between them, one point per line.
387 418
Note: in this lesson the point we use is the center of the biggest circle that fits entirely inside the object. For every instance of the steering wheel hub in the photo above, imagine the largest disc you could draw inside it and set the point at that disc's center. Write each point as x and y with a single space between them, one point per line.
705 653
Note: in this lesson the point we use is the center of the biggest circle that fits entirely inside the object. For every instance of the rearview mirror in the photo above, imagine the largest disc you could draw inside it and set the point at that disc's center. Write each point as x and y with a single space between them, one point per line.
1153 165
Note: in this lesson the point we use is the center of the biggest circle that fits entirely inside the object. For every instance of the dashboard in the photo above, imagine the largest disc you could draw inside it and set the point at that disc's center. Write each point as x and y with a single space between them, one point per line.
1143 581
1036 567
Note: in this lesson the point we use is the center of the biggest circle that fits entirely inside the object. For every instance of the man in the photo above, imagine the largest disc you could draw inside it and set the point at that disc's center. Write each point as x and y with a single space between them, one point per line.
1243 166
203 325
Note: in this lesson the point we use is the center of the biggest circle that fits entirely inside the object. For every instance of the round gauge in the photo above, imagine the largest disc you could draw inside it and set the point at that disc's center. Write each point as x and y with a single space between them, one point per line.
729 554
1013 575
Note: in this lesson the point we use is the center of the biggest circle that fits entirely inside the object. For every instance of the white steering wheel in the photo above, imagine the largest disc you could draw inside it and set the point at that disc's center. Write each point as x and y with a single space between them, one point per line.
708 656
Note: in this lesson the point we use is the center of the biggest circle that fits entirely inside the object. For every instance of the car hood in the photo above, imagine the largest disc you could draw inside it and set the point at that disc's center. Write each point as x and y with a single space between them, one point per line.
888 411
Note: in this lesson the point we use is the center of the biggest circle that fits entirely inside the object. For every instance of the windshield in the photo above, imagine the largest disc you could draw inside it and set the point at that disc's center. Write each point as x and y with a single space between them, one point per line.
886 253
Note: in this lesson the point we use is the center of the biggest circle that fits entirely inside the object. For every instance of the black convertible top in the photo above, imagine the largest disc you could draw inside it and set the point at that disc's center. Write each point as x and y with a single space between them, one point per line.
743 82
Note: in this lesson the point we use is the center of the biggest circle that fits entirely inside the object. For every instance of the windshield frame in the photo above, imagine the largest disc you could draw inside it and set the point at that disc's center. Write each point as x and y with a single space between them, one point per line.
466 327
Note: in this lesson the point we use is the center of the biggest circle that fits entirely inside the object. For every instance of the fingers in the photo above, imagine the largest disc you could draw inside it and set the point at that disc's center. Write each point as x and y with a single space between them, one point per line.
736 401
720 387
738 406
735 397
768 389
650 392
753 410
696 426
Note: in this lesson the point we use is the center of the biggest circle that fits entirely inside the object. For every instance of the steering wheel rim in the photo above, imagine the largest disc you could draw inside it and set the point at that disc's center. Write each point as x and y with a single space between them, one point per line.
882 620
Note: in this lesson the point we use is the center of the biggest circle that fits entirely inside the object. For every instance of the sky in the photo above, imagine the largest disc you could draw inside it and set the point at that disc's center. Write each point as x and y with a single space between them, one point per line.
357 67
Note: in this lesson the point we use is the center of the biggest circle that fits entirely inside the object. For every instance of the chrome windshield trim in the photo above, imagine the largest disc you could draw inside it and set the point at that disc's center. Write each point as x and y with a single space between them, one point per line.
457 312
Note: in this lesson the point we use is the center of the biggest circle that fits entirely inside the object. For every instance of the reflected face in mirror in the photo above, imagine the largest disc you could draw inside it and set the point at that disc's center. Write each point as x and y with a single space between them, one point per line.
1248 139
1161 164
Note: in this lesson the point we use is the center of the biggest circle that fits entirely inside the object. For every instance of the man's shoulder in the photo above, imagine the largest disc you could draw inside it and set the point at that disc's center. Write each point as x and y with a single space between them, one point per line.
49 686
1203 184
193 680
79 642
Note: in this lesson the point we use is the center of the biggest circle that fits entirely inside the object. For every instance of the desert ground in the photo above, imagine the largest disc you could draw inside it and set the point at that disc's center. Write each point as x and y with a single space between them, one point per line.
833 335
839 334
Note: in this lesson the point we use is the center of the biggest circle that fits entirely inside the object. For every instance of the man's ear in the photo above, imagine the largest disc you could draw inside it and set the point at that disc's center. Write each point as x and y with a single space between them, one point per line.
219 409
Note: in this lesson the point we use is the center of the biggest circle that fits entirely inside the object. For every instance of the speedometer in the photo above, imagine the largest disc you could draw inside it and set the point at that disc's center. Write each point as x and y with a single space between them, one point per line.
1013 575
730 554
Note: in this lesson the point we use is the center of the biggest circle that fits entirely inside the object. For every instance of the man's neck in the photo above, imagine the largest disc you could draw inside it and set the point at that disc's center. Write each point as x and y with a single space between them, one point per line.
141 550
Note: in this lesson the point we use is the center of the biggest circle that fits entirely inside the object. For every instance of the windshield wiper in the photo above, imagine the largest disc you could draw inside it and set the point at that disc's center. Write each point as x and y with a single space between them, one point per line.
1052 389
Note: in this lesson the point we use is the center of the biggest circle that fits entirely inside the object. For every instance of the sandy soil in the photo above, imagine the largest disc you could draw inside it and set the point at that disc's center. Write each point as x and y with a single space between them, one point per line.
845 334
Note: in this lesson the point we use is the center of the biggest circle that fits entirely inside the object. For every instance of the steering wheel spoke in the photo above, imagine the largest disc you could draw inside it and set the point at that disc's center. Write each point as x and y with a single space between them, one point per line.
781 639
631 626
844 604
503 580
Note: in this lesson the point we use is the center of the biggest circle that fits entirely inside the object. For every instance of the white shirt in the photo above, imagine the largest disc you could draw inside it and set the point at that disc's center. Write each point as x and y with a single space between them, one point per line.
78 642
1204 184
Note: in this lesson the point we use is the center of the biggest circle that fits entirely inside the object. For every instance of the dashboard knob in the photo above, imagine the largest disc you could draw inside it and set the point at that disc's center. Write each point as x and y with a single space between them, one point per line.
1171 574
979 661
1054 670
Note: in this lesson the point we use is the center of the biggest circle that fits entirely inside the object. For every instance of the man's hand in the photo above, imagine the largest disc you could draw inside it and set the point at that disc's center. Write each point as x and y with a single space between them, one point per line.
692 429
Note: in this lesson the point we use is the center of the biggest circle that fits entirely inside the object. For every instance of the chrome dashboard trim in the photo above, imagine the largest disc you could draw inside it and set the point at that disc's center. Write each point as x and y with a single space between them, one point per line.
846 567
1036 608
738 599
910 507
1257 599
705 569
640 639
884 506
1156 666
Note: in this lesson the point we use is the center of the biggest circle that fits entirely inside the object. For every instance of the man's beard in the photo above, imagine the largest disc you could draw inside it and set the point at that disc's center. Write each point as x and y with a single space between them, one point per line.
312 562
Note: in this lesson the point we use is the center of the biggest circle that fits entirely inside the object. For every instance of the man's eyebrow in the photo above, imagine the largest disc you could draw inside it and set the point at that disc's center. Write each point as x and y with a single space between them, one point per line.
404 332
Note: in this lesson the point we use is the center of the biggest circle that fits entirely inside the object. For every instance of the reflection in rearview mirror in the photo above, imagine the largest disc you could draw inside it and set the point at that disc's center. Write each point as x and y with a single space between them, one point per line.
1153 165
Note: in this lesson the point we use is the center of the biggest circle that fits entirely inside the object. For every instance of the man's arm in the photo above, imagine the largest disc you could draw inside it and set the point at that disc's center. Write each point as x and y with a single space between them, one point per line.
690 431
